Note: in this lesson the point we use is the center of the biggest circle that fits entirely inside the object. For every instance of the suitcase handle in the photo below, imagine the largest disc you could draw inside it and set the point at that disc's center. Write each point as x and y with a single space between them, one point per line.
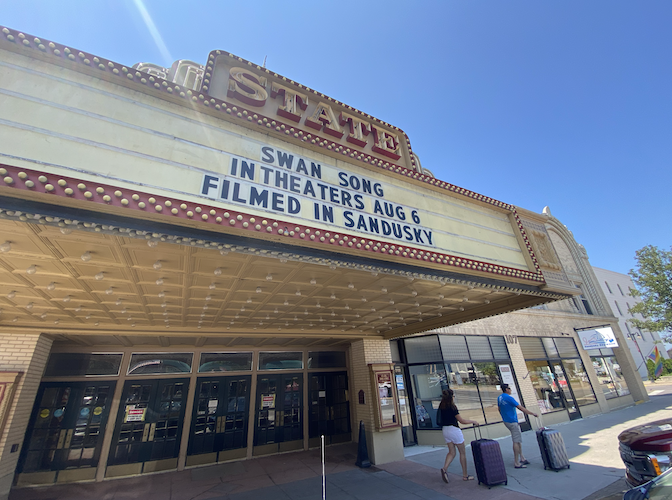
480 435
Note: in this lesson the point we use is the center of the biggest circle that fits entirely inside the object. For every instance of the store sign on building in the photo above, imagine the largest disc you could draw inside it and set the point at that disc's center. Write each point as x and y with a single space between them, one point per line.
598 338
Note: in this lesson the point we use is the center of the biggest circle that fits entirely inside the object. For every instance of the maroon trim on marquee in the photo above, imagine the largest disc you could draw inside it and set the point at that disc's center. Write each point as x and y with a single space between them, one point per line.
139 201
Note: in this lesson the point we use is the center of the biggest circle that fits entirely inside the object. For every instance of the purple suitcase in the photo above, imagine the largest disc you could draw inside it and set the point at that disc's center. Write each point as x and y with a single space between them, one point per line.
488 462
552 447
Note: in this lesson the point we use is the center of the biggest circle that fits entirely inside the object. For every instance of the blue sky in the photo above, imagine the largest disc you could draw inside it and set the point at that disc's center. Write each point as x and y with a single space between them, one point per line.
535 103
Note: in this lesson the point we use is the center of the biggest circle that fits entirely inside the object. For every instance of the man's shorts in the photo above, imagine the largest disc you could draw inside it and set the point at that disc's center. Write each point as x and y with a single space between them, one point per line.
452 434
514 428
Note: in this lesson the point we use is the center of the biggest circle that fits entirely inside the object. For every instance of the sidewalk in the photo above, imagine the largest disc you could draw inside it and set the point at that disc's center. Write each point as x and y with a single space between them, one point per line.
596 471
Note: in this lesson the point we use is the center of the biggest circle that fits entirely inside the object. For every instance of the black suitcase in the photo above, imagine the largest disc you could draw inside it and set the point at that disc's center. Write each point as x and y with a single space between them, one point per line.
488 462
552 447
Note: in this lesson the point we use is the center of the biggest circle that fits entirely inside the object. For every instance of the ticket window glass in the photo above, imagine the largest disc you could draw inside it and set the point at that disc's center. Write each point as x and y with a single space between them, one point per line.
279 411
149 425
66 427
219 421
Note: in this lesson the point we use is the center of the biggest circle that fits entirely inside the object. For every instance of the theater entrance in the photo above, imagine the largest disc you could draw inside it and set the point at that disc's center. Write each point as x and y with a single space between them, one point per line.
65 432
149 427
219 421
329 408
278 414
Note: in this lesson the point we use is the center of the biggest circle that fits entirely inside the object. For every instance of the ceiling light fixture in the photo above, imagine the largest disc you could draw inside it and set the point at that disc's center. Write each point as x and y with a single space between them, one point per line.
212 286
218 271
86 256
157 265
51 286
31 270
269 277
66 230
99 276
5 247
11 295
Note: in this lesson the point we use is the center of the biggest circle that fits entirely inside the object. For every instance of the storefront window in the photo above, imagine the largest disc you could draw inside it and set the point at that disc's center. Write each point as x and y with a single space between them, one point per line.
609 376
578 380
489 390
547 372
549 396
462 379
428 383
469 369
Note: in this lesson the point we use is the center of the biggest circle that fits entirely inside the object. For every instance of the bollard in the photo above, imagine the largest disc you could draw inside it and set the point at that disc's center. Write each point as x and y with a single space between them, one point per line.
362 450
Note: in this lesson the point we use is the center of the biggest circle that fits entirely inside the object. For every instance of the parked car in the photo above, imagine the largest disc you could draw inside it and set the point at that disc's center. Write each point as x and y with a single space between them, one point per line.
646 451
659 488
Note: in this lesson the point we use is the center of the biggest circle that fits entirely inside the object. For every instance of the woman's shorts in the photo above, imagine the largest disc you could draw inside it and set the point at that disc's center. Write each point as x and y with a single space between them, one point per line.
516 435
452 434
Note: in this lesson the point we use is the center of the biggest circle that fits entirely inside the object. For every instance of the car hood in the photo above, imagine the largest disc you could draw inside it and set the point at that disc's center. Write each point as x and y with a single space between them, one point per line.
653 436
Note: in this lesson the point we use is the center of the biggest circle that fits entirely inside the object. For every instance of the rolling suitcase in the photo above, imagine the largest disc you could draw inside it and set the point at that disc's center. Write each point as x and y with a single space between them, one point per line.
488 461
552 447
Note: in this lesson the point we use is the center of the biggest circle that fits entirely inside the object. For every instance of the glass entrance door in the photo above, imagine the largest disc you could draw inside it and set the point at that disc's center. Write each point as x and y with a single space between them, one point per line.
149 427
219 422
565 391
278 415
407 431
329 408
65 430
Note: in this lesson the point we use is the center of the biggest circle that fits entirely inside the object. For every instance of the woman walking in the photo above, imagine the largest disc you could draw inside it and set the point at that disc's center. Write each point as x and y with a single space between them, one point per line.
448 417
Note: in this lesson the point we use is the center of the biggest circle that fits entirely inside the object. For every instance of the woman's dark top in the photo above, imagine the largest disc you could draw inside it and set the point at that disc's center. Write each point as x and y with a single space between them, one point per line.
448 416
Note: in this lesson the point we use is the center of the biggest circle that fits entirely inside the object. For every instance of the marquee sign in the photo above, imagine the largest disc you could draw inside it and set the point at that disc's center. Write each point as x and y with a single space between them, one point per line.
305 166
296 110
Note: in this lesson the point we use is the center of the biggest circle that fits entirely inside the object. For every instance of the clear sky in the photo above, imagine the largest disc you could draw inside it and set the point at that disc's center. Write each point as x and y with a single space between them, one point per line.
535 103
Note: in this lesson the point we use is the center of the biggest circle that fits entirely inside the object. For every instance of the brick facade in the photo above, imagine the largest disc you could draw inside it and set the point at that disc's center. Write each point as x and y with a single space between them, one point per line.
27 354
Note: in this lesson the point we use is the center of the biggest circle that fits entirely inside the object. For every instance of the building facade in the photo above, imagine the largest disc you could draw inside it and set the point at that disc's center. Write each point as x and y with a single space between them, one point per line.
207 263
539 351
616 288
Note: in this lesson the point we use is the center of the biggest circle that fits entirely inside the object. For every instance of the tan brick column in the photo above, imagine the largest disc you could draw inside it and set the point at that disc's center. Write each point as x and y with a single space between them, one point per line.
386 446
28 354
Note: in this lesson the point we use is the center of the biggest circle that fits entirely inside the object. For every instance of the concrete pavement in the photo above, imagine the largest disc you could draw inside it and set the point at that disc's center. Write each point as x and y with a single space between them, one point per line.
596 471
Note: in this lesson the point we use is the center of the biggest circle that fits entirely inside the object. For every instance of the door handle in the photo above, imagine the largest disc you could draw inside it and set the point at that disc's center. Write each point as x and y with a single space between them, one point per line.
61 439
152 430
220 424
68 438
145 433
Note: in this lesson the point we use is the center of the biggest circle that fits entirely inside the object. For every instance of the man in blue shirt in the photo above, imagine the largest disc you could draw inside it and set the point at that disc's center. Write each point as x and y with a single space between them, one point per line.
507 409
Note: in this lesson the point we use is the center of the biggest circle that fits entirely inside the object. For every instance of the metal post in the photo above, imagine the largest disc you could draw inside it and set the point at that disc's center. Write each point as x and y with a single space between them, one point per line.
324 480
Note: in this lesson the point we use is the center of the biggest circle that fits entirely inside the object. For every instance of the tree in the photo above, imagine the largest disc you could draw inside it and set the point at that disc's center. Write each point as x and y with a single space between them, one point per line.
653 279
